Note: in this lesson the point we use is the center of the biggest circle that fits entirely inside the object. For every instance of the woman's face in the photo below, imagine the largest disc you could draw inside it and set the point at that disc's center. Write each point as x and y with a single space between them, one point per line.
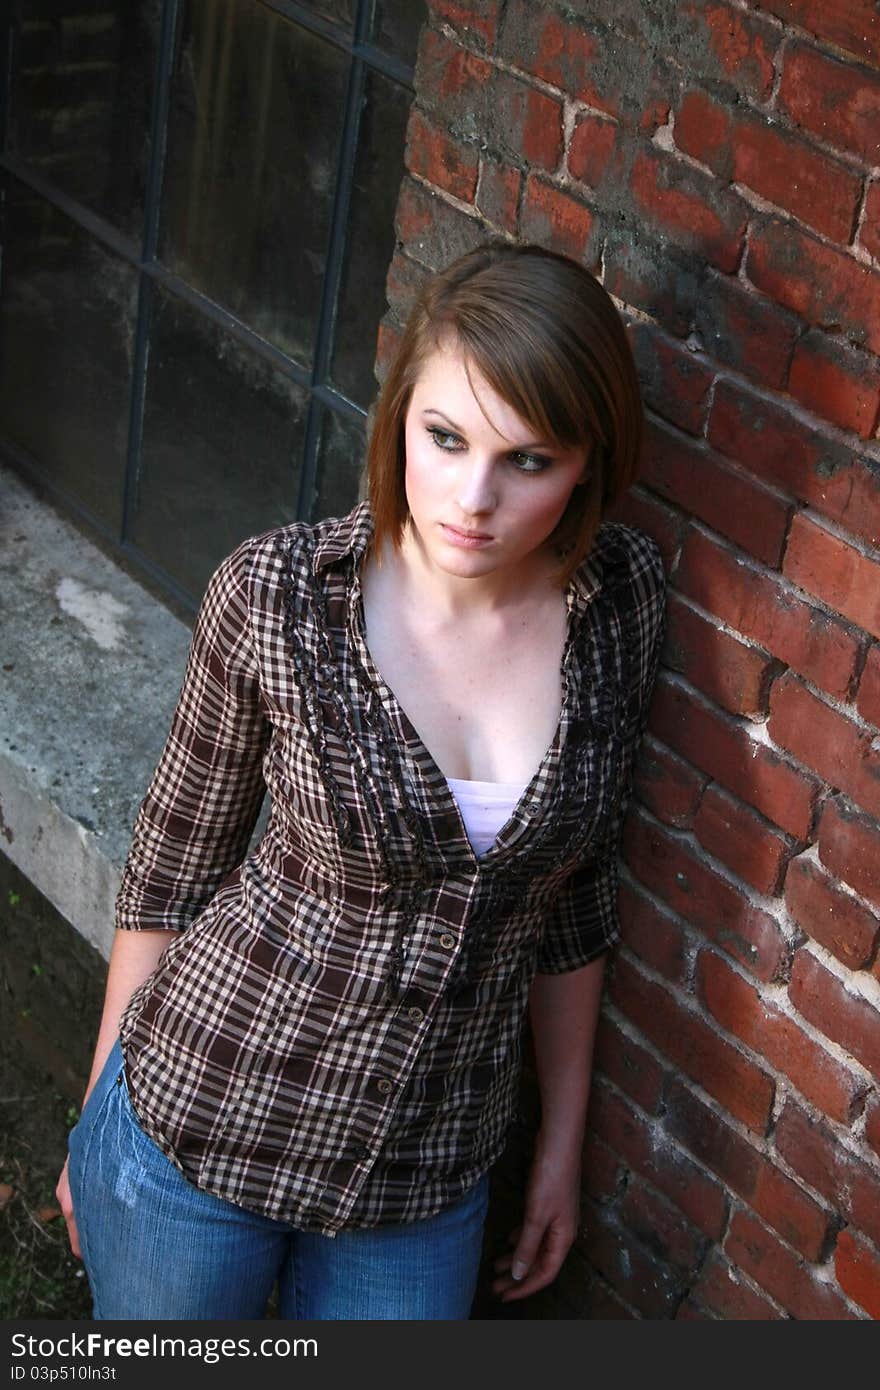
484 492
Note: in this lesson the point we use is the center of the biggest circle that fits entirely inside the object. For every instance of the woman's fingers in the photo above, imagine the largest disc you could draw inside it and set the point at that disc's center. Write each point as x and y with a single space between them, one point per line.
65 1201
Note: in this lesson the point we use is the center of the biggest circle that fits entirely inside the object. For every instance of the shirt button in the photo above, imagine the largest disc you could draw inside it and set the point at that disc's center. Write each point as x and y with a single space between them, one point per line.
447 941
415 1015
360 1151
384 1086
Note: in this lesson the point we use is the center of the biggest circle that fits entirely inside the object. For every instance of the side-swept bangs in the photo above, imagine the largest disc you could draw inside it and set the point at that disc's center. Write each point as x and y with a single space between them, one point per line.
549 340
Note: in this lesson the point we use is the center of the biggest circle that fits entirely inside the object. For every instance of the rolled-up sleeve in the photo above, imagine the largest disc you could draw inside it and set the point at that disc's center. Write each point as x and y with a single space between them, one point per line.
195 822
584 921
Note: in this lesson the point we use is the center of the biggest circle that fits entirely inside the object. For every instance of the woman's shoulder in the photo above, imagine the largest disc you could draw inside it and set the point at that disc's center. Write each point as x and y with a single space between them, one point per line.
298 549
626 566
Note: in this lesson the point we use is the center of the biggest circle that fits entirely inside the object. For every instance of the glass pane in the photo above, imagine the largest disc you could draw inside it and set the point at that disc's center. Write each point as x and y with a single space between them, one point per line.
67 321
370 244
256 117
81 92
340 464
222 441
337 11
396 26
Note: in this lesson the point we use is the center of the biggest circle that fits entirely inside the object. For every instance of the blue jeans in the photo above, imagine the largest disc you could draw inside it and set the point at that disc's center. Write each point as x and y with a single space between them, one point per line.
155 1246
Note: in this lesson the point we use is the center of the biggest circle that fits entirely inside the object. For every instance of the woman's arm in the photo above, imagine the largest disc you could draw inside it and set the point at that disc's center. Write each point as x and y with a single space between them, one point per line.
564 1010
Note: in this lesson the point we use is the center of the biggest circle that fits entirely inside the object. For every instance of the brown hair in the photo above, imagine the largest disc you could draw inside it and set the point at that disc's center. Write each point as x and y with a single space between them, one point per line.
549 340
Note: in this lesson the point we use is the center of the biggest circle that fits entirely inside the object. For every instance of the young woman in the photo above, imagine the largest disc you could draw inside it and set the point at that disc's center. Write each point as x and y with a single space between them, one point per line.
309 1055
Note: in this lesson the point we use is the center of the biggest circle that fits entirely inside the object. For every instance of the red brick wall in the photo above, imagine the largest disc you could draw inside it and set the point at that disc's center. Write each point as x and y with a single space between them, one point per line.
716 163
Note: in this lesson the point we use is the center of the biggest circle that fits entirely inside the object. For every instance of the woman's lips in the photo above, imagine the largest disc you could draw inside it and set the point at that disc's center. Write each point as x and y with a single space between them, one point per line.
468 540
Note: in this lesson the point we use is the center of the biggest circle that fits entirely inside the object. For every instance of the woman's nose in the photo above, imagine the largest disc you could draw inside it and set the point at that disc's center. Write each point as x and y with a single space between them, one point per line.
476 488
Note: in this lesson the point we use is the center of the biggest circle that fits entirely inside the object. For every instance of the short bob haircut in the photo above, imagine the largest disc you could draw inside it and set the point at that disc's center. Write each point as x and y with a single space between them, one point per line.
549 340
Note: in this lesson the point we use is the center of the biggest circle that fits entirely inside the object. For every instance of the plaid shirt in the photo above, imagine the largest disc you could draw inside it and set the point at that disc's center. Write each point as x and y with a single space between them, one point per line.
333 1036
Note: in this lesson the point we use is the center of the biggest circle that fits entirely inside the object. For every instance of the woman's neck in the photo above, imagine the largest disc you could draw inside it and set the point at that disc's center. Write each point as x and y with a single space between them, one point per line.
510 589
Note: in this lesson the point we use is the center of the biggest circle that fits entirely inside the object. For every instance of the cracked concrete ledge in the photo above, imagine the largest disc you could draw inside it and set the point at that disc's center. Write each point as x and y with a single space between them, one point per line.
90 669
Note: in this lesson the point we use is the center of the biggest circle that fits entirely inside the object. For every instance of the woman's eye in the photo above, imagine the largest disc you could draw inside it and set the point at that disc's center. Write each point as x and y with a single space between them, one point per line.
443 439
530 463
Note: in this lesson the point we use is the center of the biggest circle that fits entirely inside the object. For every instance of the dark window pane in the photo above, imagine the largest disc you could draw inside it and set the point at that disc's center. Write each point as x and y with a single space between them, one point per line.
222 440
339 12
370 243
256 117
67 319
81 92
341 461
396 25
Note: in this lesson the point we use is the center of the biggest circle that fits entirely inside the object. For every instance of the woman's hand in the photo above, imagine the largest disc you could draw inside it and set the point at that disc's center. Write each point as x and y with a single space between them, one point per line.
65 1202
550 1224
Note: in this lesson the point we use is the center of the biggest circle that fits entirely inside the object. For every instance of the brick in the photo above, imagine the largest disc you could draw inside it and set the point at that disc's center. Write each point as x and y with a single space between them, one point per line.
652 277
669 787
872 1124
578 1293
847 1019
781 448
742 328
743 840
688 207
850 24
565 55
868 699
812 1150
721 746
825 286
834 100
403 282
837 382
849 847
388 340
639 508
662 1228
703 128
828 742
628 1268
777 1269
525 123
651 933
763 1027
435 156
497 196
857 1266
869 235
692 1312
629 1065
723 1290
730 45
835 919
738 1084
555 219
835 572
759 605
432 231
730 500
733 673
601 1170
592 145
652 1153
453 80
675 383
475 19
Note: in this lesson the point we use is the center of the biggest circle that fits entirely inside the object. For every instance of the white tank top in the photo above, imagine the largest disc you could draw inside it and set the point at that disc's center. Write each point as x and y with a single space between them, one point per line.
484 808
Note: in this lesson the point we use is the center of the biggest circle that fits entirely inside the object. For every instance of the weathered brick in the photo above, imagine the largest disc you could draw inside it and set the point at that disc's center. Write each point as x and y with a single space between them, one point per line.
689 1311
629 1065
675 383
757 604
835 919
653 277
566 55
434 155
601 1170
851 24
432 231
778 1270
780 448
849 847
556 220
763 1027
872 1124
724 1291
651 933
857 1266
738 326
497 196
835 572
648 513
669 787
730 45
703 128
474 19
826 286
402 284
868 699
835 100
728 499
812 1150
688 207
733 673
847 1019
743 840
662 1228
837 382
525 124
723 747
592 145
738 1084
828 742
454 81
869 236
388 340
628 1268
